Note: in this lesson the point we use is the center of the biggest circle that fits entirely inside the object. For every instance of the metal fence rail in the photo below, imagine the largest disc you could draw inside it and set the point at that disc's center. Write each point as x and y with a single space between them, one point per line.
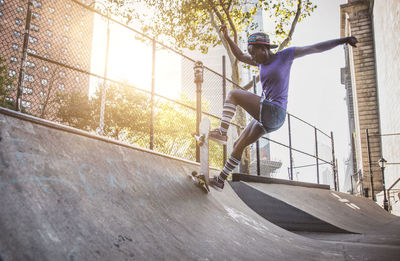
73 63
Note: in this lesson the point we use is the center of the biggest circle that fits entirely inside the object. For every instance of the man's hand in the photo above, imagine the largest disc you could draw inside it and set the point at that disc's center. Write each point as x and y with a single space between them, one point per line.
352 41
224 30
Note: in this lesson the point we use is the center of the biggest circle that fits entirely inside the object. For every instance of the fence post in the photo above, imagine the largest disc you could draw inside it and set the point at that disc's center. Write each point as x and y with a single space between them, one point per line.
334 163
198 79
224 148
316 152
257 142
23 58
290 149
370 168
103 90
153 78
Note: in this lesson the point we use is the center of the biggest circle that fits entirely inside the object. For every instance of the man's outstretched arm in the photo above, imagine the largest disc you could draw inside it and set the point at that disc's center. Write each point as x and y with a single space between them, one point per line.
324 46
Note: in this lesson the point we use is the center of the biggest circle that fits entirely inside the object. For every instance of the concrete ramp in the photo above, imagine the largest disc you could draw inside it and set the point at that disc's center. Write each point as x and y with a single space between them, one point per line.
68 195
330 209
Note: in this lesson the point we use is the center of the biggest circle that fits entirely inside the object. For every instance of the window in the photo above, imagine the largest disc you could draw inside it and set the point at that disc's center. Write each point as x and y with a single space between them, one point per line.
63 61
20 10
68 17
1 2
29 78
1 14
18 21
26 104
64 51
42 95
15 47
66 28
68 6
10 87
45 69
36 16
30 64
49 33
17 34
14 59
35 28
37 3
65 39
27 90
62 74
9 99
47 45
50 21
44 82
61 86
46 56
12 73
33 40
77 78
51 10
30 51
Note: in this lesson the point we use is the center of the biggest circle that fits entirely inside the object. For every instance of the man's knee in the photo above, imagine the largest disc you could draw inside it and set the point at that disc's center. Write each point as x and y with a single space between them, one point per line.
233 95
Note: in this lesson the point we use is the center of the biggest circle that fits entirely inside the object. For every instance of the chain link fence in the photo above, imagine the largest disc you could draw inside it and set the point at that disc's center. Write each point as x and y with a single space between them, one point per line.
71 62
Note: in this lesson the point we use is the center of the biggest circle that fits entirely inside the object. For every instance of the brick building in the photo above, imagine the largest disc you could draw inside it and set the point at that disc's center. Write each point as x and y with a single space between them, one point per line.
60 31
371 80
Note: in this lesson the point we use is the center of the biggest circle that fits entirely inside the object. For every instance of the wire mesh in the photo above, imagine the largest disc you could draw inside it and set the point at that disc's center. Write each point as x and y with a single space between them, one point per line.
78 59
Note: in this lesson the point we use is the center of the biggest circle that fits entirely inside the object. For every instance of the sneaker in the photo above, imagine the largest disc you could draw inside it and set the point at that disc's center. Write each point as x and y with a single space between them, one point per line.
217 136
216 183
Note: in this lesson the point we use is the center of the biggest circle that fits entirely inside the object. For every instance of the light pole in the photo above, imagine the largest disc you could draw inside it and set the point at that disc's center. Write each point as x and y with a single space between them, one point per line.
382 163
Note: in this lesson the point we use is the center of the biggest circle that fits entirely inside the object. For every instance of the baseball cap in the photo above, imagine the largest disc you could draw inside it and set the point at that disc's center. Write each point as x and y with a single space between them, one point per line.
260 38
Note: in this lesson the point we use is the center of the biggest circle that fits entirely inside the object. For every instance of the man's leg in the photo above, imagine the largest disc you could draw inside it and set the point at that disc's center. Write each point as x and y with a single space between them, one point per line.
250 135
247 100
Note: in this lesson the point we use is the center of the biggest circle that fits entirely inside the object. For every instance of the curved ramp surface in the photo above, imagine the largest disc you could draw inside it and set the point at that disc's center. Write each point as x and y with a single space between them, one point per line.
347 212
66 195
72 197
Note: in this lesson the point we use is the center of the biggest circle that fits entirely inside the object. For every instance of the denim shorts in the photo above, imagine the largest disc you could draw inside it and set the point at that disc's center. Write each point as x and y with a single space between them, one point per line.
271 116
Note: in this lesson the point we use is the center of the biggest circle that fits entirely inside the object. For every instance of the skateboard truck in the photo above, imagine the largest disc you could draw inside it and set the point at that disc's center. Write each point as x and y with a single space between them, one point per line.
199 139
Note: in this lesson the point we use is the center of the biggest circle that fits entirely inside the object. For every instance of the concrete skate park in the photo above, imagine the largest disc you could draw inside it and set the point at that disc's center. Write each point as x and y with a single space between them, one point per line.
70 195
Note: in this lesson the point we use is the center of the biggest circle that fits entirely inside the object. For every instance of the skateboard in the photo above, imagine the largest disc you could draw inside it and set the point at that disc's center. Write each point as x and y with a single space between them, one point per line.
201 178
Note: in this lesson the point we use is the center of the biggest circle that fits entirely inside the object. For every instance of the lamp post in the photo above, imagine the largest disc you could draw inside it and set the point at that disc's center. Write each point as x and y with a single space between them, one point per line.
382 163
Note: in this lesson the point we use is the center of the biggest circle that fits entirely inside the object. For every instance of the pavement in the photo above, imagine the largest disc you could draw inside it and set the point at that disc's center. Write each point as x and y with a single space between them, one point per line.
66 194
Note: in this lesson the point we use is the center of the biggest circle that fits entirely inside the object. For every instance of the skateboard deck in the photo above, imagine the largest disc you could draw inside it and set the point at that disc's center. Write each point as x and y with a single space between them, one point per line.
202 140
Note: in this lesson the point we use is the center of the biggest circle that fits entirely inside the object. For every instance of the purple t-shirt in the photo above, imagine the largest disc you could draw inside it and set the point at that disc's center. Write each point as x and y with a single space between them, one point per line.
275 77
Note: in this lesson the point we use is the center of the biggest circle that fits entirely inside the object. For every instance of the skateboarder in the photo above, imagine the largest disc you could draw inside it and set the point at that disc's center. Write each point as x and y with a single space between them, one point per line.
269 110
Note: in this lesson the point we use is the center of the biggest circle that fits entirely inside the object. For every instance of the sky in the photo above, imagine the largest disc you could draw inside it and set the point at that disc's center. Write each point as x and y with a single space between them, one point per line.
315 94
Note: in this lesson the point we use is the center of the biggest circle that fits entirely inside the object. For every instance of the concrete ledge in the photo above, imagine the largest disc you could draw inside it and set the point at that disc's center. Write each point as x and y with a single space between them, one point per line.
250 178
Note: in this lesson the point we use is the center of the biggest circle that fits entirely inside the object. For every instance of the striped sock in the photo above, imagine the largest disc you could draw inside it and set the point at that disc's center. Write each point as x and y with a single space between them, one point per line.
227 115
230 165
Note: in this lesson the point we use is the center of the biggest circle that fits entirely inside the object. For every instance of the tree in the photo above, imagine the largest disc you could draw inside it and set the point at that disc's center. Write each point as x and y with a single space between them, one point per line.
127 118
5 81
195 24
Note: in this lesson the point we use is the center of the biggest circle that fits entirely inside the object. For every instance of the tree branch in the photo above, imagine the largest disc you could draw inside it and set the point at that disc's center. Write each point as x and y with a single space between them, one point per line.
232 25
293 26
284 43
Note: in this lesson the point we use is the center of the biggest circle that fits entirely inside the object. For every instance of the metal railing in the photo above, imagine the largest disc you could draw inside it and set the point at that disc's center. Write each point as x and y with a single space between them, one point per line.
70 64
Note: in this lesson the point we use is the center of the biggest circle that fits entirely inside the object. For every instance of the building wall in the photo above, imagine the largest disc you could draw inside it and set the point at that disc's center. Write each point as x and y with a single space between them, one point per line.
386 16
60 31
356 20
